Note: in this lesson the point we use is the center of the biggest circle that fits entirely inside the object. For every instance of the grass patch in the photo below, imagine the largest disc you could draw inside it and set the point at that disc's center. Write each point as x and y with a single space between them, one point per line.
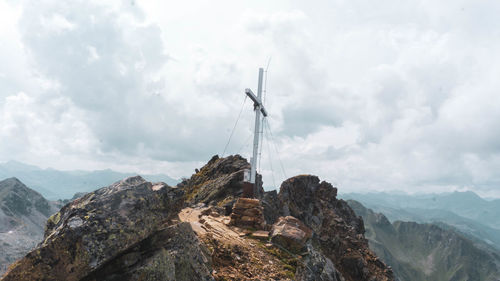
289 262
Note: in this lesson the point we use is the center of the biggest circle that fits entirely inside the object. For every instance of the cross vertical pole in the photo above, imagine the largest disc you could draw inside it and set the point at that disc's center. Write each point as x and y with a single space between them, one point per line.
250 176
256 138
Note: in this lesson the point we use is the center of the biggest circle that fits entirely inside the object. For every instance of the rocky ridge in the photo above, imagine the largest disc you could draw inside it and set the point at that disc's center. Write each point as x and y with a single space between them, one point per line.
137 230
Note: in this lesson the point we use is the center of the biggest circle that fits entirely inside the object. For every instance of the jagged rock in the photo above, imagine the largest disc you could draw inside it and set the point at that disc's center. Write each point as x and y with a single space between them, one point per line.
219 182
316 266
92 230
338 231
271 205
290 233
248 213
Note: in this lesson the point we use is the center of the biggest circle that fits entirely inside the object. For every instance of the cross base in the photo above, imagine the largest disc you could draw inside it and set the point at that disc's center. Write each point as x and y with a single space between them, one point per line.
248 190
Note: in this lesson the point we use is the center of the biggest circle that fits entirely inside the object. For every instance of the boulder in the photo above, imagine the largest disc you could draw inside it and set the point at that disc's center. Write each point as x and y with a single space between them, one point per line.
290 233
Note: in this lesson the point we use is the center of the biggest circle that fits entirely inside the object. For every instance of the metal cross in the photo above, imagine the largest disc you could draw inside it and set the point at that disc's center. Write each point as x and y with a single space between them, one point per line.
258 108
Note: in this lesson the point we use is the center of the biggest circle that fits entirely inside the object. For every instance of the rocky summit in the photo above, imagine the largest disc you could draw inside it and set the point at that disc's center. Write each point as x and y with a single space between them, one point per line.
203 229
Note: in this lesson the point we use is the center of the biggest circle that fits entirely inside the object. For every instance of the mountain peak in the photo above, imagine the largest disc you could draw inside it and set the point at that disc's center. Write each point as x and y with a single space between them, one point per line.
13 165
18 199
11 181
466 194
13 184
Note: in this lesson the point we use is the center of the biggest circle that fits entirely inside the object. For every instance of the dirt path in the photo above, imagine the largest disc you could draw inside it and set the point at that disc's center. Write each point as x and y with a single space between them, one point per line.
235 255
203 221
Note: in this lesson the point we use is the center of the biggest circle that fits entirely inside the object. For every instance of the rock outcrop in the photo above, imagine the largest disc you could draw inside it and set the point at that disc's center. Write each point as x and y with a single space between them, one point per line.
338 232
136 230
93 230
219 182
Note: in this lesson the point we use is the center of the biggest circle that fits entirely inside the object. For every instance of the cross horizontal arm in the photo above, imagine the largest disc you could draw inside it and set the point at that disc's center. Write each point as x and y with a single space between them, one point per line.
251 95
256 100
264 111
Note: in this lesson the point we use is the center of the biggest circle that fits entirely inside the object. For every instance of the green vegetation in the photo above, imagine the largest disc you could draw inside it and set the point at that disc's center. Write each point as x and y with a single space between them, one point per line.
289 262
54 219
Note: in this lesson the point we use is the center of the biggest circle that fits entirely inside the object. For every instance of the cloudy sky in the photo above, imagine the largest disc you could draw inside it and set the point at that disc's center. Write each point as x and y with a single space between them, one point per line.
369 95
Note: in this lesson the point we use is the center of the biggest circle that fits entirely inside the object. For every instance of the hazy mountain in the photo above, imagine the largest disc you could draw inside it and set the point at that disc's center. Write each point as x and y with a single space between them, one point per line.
403 208
468 227
55 184
427 251
23 213
465 204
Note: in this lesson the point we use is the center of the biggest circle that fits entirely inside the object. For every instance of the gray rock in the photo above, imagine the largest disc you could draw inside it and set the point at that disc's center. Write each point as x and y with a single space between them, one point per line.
171 254
271 204
317 267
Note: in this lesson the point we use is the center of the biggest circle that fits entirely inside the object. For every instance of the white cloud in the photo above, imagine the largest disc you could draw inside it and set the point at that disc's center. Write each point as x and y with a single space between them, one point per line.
56 23
34 128
386 95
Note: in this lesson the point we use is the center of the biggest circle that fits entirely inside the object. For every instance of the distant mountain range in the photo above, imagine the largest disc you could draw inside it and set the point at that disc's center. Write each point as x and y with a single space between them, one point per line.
419 252
466 212
54 184
465 204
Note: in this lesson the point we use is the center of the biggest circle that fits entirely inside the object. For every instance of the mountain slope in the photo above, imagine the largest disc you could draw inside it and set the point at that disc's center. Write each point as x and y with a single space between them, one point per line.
403 207
426 251
23 213
468 227
54 184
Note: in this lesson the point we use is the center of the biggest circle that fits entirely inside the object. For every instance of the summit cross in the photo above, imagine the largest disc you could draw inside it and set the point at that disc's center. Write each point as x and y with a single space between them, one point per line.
258 108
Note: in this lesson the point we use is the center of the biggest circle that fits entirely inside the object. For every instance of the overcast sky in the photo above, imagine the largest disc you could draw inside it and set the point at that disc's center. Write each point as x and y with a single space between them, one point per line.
369 95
